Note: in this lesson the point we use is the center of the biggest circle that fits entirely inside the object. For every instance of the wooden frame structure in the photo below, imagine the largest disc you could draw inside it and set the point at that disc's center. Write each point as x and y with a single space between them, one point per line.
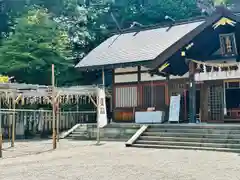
15 93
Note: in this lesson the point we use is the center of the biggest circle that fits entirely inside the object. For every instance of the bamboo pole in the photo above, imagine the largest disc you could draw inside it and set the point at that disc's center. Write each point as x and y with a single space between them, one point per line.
53 109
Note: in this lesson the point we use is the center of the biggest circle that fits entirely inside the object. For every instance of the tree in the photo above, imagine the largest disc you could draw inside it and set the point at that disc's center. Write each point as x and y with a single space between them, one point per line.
220 2
37 42
153 12
29 48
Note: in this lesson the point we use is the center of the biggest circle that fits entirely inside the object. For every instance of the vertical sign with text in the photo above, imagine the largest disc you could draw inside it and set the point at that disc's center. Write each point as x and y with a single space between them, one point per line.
102 110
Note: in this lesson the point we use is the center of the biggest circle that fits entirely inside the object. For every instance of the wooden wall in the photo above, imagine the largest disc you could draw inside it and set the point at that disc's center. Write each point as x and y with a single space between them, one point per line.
134 89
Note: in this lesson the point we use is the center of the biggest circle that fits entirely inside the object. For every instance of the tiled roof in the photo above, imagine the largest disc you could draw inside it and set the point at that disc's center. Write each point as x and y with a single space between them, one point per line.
132 47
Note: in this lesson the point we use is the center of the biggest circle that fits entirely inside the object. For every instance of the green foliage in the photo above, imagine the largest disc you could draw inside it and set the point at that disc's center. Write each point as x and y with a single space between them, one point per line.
84 25
156 11
221 2
36 43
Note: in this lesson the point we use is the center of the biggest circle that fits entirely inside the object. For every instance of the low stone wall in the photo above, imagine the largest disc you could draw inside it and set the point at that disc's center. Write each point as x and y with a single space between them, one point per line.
115 132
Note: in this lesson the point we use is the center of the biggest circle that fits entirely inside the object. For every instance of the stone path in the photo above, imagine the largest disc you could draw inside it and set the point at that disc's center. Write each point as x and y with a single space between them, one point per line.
76 160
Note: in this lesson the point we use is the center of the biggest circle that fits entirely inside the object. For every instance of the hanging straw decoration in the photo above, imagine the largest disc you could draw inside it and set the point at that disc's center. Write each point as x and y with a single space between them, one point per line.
23 100
216 65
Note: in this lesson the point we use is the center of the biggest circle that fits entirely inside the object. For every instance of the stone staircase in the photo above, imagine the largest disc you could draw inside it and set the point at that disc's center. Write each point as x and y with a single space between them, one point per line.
190 136
80 133
112 132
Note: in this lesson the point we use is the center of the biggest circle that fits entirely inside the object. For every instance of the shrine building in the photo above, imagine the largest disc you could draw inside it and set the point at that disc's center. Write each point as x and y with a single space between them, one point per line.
197 59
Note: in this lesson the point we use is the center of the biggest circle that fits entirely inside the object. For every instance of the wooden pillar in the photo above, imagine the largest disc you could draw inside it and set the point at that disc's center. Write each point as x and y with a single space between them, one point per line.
204 102
192 93
57 120
185 103
53 110
13 125
167 92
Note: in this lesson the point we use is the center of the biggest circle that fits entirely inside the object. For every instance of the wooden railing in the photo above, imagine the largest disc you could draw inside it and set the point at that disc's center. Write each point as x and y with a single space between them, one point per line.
40 121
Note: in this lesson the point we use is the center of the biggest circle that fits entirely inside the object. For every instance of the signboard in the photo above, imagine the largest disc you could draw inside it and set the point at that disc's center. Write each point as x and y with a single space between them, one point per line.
174 109
101 110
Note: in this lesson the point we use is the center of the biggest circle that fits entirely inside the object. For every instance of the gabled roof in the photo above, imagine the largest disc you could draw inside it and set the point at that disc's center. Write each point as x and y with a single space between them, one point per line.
152 46
183 42
137 46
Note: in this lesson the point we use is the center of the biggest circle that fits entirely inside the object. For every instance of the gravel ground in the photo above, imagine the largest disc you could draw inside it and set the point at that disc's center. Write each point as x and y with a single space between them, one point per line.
76 160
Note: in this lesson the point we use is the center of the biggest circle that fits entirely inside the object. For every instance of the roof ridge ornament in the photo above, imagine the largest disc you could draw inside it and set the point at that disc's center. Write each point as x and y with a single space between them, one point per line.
224 21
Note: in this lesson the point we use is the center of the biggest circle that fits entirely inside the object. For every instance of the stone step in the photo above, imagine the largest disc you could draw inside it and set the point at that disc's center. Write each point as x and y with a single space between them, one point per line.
78 136
190 139
185 148
82 138
192 135
196 126
79 132
202 131
192 144
108 136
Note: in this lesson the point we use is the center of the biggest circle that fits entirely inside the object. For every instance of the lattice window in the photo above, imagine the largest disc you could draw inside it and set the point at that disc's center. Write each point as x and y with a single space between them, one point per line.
215 102
126 96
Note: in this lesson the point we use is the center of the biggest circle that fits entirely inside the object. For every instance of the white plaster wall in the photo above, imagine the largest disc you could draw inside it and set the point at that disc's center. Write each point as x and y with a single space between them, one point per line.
126 78
123 70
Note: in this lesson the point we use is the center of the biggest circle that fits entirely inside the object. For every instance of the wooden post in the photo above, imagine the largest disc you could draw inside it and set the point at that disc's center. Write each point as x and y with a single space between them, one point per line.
204 102
192 93
14 102
58 119
9 121
167 91
1 139
13 124
53 109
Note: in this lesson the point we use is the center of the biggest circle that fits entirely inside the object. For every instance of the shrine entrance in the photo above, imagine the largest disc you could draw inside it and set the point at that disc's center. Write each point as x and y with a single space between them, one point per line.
197 104
232 101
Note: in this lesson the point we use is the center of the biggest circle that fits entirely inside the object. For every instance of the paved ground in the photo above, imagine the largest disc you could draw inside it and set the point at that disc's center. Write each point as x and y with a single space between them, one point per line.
75 160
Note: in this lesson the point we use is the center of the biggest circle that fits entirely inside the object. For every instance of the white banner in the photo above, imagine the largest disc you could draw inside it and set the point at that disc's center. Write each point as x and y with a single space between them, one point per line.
102 110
